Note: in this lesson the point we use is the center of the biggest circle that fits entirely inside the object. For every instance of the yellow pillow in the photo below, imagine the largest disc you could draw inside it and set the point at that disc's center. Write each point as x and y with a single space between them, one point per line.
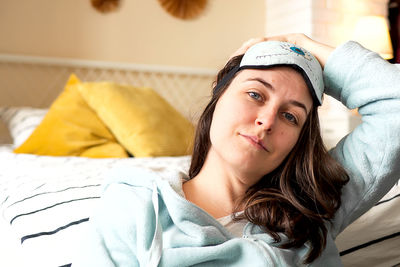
72 128
140 119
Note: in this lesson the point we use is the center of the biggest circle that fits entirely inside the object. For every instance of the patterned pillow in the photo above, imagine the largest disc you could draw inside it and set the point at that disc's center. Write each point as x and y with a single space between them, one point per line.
21 121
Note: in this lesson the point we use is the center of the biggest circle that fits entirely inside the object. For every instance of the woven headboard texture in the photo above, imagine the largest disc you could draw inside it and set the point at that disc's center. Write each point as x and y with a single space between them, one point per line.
37 81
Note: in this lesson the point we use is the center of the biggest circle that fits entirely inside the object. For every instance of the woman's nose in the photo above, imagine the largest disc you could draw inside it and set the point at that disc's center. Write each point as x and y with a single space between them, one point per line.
266 121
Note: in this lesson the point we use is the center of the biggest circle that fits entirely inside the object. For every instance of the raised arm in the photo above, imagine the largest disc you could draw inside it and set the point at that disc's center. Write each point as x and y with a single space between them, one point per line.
361 79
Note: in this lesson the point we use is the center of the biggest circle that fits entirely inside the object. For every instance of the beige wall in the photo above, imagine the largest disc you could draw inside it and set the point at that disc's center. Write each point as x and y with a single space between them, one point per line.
139 32
328 21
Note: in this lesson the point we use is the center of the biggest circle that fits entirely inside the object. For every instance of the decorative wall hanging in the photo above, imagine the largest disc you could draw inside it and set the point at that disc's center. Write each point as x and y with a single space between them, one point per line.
105 6
184 9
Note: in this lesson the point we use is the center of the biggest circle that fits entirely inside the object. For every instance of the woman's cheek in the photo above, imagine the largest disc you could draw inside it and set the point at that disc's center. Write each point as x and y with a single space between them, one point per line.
290 139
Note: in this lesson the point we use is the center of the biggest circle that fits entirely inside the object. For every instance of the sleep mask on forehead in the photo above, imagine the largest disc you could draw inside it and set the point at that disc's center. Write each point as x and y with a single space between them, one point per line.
274 53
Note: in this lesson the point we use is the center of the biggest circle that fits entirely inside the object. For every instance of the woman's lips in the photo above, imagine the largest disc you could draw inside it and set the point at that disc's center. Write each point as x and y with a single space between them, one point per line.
255 141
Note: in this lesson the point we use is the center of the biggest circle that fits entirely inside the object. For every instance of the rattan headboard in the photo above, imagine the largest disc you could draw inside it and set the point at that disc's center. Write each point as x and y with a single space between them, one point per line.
36 81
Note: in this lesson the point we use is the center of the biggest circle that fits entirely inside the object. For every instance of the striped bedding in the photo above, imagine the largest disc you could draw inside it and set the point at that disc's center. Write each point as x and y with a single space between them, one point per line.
46 201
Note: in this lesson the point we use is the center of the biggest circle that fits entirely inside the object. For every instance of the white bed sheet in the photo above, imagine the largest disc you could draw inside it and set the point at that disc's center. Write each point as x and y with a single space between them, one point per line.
10 246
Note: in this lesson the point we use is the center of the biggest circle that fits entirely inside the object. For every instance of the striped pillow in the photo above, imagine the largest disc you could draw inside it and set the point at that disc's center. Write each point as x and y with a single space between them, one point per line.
21 121
374 238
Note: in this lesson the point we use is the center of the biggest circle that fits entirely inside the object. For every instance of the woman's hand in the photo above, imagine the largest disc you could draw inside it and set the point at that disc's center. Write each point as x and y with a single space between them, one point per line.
319 50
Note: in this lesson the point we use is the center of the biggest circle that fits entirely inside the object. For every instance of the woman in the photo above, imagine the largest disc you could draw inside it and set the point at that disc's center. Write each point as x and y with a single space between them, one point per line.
261 189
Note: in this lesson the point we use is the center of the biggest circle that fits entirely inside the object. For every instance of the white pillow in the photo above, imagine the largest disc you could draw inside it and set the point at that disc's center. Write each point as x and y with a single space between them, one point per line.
21 121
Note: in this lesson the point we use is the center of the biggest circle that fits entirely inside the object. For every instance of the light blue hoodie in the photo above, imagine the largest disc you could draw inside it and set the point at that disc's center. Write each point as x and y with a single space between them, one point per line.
144 220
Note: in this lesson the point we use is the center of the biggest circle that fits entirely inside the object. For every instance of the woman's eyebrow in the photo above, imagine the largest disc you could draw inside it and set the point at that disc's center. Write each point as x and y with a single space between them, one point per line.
269 86
299 104
263 82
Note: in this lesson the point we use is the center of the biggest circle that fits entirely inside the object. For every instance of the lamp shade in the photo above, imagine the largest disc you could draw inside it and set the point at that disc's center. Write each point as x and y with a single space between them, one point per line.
373 33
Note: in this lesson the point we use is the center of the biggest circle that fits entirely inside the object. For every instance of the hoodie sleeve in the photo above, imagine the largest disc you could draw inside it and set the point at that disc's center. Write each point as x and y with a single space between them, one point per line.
361 79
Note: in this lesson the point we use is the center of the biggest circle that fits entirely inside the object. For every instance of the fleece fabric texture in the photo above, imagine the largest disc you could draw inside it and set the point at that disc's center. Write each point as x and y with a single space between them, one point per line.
143 220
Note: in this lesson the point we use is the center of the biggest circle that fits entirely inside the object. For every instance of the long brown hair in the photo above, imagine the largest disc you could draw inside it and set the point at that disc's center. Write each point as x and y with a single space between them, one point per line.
299 197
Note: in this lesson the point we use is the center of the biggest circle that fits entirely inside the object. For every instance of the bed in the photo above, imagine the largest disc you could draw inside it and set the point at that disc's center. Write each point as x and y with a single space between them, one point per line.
46 200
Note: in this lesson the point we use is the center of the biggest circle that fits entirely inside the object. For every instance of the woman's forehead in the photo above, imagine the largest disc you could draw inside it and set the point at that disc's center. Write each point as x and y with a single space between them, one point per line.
270 71
275 76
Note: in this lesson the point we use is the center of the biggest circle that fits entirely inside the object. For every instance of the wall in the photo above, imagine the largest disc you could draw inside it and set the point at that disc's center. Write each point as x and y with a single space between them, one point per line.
139 32
328 21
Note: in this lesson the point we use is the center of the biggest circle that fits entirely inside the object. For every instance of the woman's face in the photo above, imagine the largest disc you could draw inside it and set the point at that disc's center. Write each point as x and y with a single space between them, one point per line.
258 120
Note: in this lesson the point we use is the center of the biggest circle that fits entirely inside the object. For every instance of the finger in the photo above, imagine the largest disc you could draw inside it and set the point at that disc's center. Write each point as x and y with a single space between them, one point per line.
294 38
246 45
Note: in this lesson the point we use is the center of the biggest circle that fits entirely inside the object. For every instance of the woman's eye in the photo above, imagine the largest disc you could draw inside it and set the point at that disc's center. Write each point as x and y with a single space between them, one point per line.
290 117
255 95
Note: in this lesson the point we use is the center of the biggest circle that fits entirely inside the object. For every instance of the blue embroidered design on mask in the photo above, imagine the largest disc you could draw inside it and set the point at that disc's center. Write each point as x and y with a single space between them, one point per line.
297 50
